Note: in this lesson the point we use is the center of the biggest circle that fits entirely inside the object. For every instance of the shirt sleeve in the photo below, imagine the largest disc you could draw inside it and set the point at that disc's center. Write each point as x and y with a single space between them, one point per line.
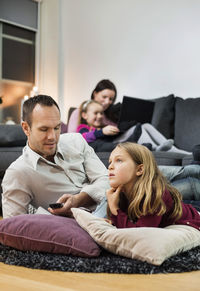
15 197
88 135
121 220
96 172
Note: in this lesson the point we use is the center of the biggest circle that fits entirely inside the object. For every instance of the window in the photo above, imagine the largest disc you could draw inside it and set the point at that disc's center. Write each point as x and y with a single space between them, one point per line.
18 53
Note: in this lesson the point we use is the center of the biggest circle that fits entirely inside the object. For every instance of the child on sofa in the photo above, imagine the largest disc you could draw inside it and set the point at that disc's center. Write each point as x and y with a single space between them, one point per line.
100 137
140 196
105 138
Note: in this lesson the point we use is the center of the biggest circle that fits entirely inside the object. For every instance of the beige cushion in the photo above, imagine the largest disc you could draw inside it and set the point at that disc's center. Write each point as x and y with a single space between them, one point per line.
150 244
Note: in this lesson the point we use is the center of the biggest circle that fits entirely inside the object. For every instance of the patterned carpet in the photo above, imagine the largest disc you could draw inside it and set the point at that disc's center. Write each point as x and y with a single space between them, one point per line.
105 263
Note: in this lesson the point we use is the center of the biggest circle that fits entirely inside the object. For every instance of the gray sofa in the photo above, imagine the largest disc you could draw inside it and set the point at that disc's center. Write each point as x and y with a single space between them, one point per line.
173 116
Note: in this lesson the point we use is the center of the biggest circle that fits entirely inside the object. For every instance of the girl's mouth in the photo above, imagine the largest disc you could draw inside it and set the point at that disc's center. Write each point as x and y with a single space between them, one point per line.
111 175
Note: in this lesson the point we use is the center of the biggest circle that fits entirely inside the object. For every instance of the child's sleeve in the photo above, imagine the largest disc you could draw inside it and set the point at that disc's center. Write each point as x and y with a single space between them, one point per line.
88 135
121 220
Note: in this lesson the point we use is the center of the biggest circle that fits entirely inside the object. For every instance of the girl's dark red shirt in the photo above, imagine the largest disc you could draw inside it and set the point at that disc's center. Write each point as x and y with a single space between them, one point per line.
190 216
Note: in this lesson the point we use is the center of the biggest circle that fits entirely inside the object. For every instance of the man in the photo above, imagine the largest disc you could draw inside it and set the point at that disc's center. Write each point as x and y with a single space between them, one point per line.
50 169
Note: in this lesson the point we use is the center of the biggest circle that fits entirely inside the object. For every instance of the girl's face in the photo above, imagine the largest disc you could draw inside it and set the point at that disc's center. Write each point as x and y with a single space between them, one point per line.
94 115
105 97
123 170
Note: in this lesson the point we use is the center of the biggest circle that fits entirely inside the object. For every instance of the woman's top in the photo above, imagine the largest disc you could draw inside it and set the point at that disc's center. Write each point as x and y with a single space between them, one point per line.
63 128
73 121
190 216
89 133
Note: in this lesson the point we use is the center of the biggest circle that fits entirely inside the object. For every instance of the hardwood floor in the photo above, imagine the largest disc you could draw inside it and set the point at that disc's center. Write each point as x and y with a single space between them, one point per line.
20 279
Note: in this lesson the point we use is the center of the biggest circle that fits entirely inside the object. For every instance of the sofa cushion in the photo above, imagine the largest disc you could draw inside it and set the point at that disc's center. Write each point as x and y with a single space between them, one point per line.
12 135
187 121
168 158
163 116
187 160
162 158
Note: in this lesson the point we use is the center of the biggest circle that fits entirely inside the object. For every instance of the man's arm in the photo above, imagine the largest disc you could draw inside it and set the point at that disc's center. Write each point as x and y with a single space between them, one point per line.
15 197
96 172
79 200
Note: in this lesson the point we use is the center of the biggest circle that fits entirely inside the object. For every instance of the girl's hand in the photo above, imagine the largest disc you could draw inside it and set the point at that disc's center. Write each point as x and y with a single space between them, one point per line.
113 199
110 130
107 220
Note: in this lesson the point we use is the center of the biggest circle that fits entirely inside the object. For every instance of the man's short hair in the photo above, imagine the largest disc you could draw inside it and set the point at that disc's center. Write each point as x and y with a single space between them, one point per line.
30 104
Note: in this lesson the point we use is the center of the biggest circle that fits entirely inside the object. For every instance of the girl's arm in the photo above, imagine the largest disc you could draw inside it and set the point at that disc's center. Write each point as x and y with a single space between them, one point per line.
121 220
88 135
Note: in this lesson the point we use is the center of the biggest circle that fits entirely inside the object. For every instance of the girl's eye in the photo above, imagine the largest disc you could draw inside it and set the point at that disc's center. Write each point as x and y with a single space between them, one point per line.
119 161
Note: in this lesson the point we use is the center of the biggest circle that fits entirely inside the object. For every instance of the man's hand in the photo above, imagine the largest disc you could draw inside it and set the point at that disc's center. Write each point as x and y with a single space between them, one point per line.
110 130
72 201
113 199
69 202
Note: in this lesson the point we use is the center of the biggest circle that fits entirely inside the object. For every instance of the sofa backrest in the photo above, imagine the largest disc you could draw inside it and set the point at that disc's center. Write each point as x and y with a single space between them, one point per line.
7 156
12 135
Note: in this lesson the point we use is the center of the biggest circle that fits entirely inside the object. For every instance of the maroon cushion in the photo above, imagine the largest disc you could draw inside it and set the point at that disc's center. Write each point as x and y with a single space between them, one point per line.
47 233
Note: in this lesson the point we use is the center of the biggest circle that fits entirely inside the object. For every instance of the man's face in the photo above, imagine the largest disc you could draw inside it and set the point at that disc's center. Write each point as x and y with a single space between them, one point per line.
44 133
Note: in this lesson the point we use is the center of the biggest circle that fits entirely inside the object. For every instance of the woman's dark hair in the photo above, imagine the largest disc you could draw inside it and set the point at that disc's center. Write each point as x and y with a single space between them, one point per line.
30 104
103 85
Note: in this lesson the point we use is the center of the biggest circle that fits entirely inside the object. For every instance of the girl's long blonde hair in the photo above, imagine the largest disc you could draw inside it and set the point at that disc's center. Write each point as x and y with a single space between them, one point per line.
146 195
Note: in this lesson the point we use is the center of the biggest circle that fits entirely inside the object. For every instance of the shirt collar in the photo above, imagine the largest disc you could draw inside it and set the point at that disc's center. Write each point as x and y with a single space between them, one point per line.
35 157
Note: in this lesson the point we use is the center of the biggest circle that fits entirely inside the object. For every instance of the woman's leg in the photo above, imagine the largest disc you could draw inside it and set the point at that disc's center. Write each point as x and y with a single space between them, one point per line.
176 150
160 139
146 138
155 135
124 136
158 144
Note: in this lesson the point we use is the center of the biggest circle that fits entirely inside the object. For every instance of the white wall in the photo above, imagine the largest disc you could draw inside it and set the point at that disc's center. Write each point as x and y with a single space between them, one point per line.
48 75
148 48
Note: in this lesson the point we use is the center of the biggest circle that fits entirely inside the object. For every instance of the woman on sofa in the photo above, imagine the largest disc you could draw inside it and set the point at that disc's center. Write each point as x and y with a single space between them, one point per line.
105 93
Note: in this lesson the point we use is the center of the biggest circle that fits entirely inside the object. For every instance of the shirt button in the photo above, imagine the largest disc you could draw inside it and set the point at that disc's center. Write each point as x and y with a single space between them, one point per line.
187 222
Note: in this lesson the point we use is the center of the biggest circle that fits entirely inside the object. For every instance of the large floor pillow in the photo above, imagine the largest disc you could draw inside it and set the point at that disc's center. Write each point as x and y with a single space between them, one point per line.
150 244
47 233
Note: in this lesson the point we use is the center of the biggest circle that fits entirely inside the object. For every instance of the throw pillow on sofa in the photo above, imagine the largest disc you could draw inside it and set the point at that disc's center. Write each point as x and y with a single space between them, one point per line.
187 121
163 115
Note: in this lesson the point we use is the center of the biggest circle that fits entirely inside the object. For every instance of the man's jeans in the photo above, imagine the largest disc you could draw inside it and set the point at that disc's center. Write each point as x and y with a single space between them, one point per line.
185 179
